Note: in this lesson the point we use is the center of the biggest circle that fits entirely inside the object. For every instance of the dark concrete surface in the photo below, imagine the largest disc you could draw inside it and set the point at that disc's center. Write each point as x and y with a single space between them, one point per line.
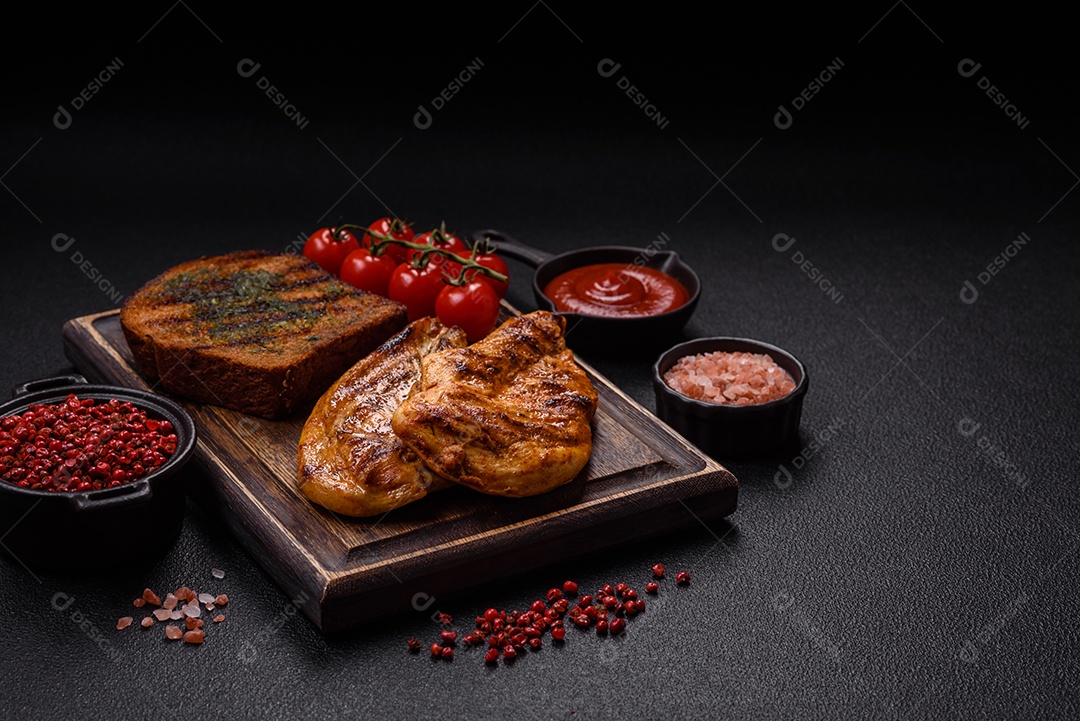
916 560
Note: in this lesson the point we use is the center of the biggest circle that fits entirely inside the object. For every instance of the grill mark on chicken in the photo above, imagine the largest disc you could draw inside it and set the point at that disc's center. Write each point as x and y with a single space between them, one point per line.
350 460
509 415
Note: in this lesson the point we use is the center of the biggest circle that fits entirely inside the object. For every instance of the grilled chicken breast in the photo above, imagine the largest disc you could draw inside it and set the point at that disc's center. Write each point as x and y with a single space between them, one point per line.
258 332
509 415
350 461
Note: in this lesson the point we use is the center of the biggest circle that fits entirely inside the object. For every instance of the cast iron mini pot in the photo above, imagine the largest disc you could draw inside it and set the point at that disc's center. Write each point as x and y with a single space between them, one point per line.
605 333
107 527
763 430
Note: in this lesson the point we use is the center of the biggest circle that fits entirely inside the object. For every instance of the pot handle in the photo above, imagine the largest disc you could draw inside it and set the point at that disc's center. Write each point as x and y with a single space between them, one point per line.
135 494
512 247
46 383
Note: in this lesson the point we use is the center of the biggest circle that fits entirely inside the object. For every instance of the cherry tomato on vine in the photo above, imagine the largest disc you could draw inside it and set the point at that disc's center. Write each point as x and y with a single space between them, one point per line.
329 246
439 238
416 288
444 264
497 264
395 228
368 272
473 307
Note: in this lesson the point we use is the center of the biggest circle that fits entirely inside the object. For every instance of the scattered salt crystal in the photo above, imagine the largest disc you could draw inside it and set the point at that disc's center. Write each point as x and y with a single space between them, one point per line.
217 573
185 604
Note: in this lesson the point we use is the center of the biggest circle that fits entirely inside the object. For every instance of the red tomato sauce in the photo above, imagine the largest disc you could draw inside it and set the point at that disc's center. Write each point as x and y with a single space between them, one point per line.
616 290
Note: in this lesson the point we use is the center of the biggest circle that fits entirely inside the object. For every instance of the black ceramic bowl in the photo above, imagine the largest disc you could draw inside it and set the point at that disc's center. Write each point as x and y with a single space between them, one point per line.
764 430
604 333
95 529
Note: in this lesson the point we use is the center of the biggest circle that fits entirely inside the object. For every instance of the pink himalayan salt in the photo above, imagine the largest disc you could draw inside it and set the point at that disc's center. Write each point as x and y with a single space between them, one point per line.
735 379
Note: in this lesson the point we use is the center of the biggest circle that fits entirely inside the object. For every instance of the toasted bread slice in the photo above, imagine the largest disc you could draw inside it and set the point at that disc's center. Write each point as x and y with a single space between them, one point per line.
258 332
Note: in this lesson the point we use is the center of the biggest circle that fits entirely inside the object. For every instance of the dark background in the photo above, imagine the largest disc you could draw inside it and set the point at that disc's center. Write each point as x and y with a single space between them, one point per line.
905 572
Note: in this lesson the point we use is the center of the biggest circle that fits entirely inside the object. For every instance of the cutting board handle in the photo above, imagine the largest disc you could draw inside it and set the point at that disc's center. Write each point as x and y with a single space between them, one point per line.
512 247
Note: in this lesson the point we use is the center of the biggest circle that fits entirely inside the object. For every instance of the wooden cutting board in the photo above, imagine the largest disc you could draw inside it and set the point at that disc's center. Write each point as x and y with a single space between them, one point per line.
642 479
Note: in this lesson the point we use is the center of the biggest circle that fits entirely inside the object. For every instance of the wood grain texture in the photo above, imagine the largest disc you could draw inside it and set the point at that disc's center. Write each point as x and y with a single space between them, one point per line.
344 571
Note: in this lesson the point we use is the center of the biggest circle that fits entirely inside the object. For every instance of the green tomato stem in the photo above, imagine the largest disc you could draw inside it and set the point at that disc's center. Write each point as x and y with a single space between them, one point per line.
425 253
339 231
